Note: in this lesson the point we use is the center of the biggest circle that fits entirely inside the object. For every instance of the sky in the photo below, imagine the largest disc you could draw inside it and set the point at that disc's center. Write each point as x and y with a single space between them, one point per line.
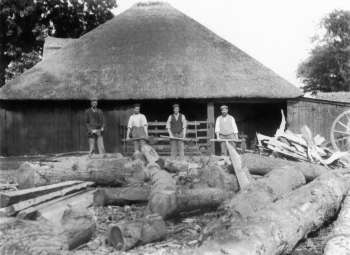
275 32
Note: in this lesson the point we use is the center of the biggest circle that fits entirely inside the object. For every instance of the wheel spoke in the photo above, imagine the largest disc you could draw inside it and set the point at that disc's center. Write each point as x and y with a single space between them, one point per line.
342 132
341 123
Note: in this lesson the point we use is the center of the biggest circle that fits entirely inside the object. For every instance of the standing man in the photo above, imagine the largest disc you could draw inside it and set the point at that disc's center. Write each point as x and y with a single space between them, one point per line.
137 128
95 125
225 128
176 126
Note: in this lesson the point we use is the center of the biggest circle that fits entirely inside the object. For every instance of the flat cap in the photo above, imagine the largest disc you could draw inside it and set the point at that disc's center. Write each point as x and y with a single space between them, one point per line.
223 107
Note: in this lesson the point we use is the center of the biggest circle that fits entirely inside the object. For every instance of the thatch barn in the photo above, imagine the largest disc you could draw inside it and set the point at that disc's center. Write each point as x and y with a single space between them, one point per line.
153 54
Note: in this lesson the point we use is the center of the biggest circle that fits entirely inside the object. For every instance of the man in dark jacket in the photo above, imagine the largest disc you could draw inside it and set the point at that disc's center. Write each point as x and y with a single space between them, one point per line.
177 126
95 125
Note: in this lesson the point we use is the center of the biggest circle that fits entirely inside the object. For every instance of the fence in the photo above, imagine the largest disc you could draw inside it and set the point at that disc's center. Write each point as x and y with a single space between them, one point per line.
197 130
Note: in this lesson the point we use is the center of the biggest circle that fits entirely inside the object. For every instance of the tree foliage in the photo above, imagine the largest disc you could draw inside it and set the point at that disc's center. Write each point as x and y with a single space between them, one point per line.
328 66
25 23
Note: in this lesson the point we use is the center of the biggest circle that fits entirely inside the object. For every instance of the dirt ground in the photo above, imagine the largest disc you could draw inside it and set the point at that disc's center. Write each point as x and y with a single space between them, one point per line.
183 232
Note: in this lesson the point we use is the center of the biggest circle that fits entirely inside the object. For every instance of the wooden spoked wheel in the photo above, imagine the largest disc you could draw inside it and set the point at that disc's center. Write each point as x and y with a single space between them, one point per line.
340 132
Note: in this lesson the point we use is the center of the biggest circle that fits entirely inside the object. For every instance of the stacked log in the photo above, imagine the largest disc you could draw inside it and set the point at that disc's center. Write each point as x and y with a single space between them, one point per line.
45 237
261 165
339 239
122 196
103 171
256 196
277 228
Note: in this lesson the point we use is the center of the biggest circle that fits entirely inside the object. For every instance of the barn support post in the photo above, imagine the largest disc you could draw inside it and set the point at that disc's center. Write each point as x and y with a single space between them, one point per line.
211 124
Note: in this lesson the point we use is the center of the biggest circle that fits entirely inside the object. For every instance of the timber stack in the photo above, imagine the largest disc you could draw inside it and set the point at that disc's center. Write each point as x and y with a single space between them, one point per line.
264 205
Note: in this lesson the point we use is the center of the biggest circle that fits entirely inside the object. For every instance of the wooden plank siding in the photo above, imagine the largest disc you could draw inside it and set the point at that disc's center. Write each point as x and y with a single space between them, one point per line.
42 127
318 115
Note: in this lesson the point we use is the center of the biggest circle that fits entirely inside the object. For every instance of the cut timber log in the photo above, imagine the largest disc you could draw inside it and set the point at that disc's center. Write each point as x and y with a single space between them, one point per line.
42 237
121 196
11 197
127 235
150 153
53 209
15 208
261 165
168 200
162 199
339 239
258 195
277 228
266 190
102 171
29 237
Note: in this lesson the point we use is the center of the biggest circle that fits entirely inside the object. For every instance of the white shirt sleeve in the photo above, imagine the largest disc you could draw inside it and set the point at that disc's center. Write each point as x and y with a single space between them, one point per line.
168 122
144 120
217 125
234 125
184 121
130 121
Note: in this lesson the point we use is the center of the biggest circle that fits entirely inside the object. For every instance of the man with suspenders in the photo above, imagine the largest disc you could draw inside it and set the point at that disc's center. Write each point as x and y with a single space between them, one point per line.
176 126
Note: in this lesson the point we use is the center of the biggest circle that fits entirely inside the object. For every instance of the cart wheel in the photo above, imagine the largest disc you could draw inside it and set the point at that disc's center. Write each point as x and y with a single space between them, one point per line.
340 132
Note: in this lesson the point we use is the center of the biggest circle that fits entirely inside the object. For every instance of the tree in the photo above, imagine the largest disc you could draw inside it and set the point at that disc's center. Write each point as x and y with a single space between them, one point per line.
25 23
328 66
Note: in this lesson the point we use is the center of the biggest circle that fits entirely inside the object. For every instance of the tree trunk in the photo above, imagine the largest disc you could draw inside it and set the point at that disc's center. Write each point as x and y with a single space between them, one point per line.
339 240
122 196
125 236
44 237
277 228
261 165
257 195
102 171
29 237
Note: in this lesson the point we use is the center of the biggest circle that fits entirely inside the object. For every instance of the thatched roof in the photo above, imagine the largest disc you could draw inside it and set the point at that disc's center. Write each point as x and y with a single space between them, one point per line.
52 44
150 51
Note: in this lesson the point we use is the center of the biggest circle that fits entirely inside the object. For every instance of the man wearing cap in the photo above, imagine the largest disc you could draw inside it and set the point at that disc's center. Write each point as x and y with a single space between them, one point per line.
95 124
225 128
137 127
176 126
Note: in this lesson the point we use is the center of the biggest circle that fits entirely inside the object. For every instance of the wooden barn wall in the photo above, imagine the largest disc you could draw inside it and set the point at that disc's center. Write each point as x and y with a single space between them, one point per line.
41 127
54 127
318 115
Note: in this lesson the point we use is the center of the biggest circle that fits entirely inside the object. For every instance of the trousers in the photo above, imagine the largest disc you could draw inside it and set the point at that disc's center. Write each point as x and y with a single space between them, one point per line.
177 147
223 144
96 139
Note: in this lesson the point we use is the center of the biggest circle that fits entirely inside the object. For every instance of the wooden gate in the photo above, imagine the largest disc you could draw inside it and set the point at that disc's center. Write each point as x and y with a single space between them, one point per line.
195 129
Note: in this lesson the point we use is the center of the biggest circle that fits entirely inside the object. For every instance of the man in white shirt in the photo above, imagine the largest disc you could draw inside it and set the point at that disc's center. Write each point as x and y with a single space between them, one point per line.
176 126
225 128
137 128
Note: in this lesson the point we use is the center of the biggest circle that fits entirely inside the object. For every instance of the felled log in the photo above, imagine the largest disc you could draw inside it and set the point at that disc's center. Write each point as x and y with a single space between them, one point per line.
339 239
266 190
277 228
127 235
162 198
15 208
102 171
121 196
257 195
261 165
11 197
29 237
42 237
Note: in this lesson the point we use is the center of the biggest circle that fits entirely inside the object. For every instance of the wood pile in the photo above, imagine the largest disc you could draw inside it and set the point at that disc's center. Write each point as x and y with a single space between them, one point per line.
301 147
147 196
